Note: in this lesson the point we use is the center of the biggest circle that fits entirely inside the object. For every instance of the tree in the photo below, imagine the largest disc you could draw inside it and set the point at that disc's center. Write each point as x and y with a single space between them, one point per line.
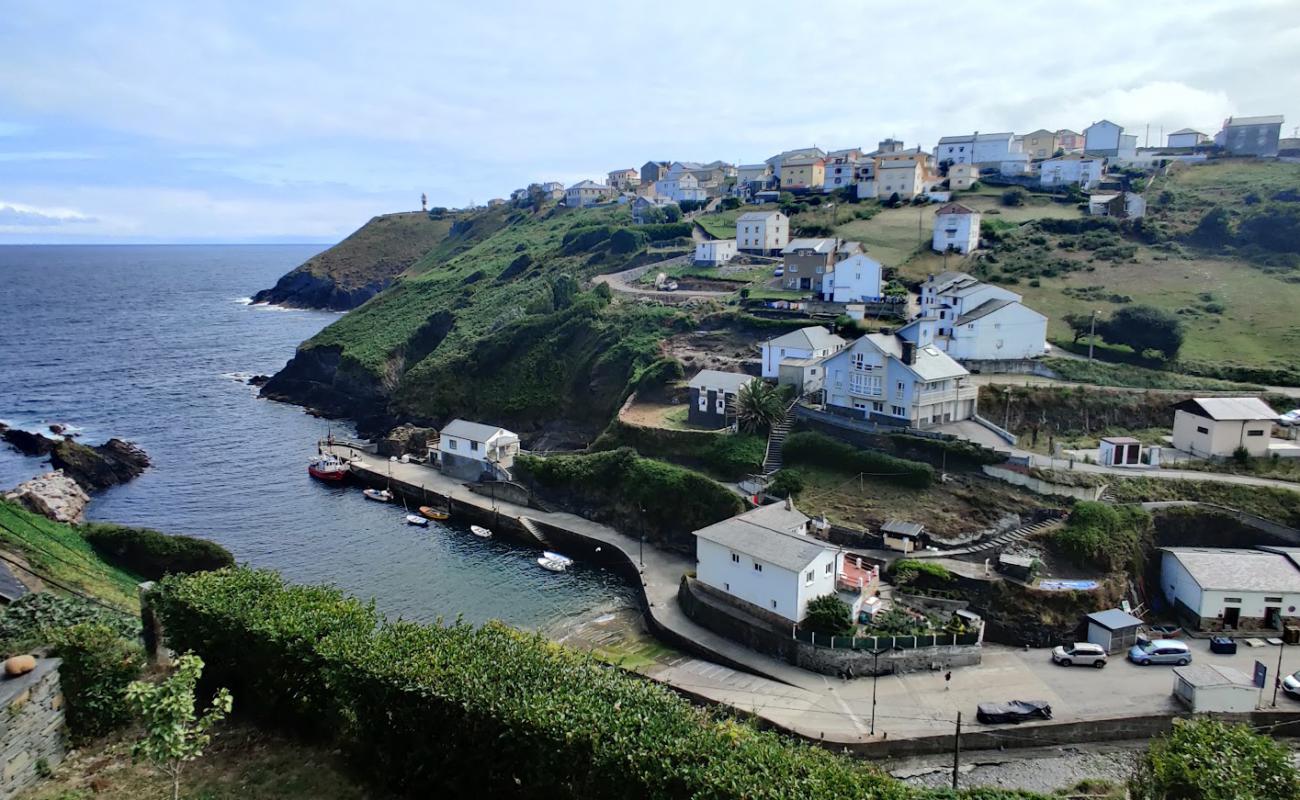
563 289
1214 229
730 203
829 615
1079 324
174 733
672 213
975 186
1013 197
786 483
628 240
1144 328
1204 759
758 406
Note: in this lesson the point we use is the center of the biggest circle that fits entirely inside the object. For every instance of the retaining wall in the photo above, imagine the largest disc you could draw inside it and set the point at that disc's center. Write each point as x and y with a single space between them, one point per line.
1040 486
31 727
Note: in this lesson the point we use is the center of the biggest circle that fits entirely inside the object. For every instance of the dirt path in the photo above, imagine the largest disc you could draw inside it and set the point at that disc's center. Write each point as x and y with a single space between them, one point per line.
625 282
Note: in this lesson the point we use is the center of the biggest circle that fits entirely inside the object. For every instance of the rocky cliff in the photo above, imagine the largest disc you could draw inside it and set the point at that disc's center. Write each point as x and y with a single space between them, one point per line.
93 467
52 495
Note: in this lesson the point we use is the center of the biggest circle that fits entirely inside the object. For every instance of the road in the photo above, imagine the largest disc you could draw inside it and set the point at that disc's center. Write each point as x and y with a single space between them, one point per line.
625 282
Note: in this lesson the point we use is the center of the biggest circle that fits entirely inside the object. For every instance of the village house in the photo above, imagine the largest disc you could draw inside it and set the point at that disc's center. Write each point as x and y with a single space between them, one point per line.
643 208
886 378
856 279
652 171
762 232
1069 141
1071 169
841 169
803 174
1124 205
680 187
956 228
975 148
808 262
587 193
766 558
713 397
758 176
962 177
1186 138
1102 138
1250 136
811 343
470 451
1040 144
1214 427
621 179
1214 588
776 161
974 321
900 173
715 252
553 190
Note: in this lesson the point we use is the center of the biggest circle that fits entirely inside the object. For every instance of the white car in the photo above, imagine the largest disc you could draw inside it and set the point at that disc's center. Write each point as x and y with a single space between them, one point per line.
1084 654
1290 418
1291 685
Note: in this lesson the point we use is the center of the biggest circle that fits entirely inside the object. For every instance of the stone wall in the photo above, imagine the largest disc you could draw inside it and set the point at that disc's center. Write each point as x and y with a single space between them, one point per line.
1040 486
31 726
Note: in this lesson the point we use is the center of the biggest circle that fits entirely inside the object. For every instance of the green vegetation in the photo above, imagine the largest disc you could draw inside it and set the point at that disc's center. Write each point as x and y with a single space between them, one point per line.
1142 329
98 665
829 615
809 447
1279 505
174 733
532 719
1105 537
1204 759
60 552
1104 373
907 570
759 406
727 456
151 554
787 483
33 620
665 501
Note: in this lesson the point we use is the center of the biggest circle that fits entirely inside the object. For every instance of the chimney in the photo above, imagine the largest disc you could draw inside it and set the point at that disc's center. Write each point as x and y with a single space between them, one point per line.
789 503
909 353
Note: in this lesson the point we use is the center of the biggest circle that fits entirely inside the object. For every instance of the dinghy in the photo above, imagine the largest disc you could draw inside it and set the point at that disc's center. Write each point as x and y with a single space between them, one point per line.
436 514
480 531
416 519
378 495
552 565
557 558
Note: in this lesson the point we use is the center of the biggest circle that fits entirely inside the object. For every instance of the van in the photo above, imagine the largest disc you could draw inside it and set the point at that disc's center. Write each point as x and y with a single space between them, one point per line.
1160 651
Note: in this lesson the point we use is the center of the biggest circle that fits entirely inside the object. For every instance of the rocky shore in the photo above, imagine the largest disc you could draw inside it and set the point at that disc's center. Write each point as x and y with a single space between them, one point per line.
52 495
94 468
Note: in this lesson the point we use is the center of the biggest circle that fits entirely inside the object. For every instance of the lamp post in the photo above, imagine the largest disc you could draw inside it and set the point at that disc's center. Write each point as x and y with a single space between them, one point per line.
1277 677
875 677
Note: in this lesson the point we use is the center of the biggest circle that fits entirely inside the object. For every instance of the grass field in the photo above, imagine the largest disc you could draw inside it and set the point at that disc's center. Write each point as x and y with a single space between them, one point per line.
59 552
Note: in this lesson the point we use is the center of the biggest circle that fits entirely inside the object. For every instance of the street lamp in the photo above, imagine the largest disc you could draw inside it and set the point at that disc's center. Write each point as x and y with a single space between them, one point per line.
875 677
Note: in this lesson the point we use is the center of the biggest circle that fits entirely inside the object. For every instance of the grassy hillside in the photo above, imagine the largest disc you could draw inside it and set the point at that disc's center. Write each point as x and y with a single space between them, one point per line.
60 552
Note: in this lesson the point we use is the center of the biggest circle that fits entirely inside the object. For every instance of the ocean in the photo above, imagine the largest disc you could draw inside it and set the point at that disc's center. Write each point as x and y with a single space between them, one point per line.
152 344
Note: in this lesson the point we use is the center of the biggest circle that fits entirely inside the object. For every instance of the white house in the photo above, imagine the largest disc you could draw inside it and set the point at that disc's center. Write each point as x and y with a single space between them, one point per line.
469 449
841 168
1124 205
1103 138
762 232
715 252
713 397
813 342
956 227
1187 138
1219 588
681 186
976 148
1070 169
766 558
975 321
1214 427
586 193
885 377
853 280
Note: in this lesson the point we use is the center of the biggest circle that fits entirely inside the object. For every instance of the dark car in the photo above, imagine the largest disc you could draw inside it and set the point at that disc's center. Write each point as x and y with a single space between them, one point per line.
1015 711
1223 644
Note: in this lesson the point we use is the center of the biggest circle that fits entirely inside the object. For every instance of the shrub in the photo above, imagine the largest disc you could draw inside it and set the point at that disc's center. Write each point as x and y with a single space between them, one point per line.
829 615
907 570
1204 759
666 230
1013 197
34 619
1214 229
1144 328
1105 537
730 203
672 213
98 665
151 554
628 240
660 372
817 449
786 483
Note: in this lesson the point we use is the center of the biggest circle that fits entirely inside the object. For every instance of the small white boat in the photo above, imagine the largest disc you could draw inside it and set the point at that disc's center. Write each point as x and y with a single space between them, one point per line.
557 558
552 565
416 519
480 531
378 495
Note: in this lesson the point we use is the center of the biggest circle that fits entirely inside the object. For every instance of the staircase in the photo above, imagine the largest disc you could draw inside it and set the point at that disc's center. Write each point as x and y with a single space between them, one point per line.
535 530
996 544
776 440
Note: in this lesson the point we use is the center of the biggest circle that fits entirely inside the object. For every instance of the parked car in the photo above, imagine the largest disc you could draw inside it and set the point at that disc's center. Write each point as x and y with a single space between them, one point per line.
1223 644
1013 711
1160 651
1290 418
1085 654
779 271
1291 685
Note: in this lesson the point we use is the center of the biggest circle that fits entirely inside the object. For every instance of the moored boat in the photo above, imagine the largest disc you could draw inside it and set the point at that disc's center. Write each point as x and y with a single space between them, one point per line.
552 565
436 514
557 558
416 519
480 531
328 468
378 495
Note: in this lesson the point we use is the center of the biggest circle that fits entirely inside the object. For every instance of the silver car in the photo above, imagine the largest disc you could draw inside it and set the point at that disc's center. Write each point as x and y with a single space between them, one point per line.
1291 685
1160 651
1084 654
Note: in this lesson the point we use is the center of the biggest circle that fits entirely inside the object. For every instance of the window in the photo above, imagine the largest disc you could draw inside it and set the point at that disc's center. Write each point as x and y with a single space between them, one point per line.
865 384
1199 429
898 411
735 558
773 604
1254 433
1272 599
1232 600
758 567
810 576
726 587
451 444
704 402
473 446
830 567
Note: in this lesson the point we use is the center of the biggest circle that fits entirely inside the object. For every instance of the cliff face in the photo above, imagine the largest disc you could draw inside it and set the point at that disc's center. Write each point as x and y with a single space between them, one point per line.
362 265
320 379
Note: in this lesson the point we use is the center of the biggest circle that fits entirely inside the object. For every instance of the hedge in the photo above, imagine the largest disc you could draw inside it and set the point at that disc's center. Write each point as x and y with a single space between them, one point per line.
489 712
151 554
666 230
98 664
816 449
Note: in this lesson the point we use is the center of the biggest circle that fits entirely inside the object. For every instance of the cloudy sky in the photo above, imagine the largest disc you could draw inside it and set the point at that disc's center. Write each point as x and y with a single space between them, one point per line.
297 121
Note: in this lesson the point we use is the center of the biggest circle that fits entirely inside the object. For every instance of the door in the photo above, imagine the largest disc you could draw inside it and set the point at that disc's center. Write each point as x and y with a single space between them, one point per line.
1231 616
1272 617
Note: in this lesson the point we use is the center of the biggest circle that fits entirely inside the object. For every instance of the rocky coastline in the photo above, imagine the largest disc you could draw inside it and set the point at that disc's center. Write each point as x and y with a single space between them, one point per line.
53 495
79 469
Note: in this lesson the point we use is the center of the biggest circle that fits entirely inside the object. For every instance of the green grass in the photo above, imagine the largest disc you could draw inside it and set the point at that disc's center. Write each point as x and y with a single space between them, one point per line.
722 224
1133 376
763 293
59 551
1279 505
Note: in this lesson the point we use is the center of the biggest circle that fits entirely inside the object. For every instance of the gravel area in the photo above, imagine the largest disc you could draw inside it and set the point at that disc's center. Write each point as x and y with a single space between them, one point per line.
1038 769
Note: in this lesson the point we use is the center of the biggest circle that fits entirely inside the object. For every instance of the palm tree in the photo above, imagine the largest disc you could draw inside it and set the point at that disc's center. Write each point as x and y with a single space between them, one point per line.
758 406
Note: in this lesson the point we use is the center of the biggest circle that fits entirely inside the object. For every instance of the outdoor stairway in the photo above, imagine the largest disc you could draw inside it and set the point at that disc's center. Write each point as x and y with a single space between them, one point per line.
776 440
997 543
536 531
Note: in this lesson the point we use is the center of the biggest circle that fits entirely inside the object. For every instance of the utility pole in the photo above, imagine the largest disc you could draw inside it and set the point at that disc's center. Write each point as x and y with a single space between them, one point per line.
956 752
1092 333
1277 676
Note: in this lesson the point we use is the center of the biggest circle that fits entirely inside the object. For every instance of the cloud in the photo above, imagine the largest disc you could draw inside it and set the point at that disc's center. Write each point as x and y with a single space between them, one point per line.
18 215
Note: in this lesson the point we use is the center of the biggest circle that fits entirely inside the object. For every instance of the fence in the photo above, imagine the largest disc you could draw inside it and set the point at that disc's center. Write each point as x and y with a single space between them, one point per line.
887 642
866 425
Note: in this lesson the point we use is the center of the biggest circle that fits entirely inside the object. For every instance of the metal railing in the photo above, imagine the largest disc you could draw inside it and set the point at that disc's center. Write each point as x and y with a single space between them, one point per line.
887 642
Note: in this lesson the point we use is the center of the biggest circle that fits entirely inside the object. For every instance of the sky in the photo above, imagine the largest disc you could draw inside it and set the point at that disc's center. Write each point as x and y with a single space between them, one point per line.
286 121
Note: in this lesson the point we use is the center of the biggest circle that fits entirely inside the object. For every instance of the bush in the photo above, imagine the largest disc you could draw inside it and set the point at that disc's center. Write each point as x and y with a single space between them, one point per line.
908 570
531 719
1105 537
98 665
33 620
687 206
672 213
1144 328
1014 197
151 554
628 240
659 373
579 239
829 615
1204 759
817 449
666 230
730 203
787 483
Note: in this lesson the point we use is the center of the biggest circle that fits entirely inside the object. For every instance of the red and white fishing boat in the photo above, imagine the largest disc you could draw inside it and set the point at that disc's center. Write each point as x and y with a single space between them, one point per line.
328 468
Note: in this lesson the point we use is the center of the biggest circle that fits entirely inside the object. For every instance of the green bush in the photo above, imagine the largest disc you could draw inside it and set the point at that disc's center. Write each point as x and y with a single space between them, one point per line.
628 240
816 449
531 719
829 615
666 230
787 483
33 620
908 570
1106 537
659 373
151 554
98 664
1204 759
576 240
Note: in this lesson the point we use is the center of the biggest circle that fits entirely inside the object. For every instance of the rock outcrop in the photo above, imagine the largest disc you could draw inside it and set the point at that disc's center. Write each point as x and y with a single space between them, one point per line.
53 495
407 440
323 381
101 466
26 442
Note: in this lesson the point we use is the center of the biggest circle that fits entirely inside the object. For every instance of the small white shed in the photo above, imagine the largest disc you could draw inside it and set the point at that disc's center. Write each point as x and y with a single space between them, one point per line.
1113 629
1209 687
1119 451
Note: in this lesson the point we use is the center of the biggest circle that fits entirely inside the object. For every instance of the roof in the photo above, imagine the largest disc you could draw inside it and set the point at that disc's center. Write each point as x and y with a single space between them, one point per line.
816 245
475 431
10 587
814 337
852 247
954 208
1207 675
983 310
900 528
717 379
1113 619
1232 569
1227 408
1104 122
587 185
795 161
1233 122
1120 440
946 280
756 216
768 534
1185 131
932 364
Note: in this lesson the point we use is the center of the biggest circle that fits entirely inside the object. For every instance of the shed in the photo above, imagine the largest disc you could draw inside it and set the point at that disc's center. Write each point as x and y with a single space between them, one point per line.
1020 567
1113 629
1119 451
902 536
1210 687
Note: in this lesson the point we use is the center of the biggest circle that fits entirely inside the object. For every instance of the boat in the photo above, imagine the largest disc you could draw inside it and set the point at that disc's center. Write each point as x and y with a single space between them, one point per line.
552 565
328 468
378 495
480 531
556 557
436 514
416 519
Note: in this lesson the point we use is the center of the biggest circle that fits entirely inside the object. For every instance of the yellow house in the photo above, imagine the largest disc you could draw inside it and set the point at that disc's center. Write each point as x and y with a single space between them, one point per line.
803 174
900 173
1041 144
962 176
